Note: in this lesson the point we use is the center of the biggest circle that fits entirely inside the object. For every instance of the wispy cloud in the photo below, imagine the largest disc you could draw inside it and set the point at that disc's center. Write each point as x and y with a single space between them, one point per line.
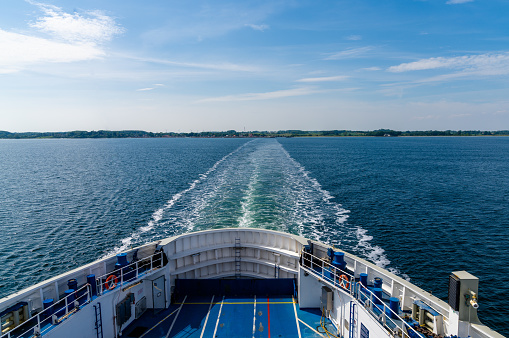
156 86
260 28
264 96
324 79
201 20
354 37
73 37
212 66
455 2
87 27
349 53
483 64
20 50
372 68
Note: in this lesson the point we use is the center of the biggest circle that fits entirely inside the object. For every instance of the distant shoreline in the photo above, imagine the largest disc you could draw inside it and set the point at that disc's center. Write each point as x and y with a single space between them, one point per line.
246 134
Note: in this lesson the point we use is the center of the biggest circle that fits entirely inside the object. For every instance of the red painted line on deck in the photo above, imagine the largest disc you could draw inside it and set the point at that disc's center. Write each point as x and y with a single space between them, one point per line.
268 314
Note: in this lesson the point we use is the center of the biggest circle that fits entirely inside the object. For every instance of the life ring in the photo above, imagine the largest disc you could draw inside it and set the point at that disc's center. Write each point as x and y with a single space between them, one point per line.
344 282
113 285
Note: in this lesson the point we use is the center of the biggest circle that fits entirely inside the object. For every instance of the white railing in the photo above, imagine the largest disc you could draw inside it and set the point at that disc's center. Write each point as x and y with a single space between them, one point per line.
52 315
328 272
378 309
398 327
128 273
67 306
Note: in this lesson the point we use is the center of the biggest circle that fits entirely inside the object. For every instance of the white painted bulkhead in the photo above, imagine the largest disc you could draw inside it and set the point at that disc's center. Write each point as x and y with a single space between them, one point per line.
244 252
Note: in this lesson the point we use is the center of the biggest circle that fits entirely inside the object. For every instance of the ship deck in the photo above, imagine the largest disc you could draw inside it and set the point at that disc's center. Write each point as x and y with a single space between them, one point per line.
227 316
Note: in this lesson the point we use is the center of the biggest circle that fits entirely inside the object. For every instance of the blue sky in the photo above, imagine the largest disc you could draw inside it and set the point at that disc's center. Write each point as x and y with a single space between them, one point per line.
254 65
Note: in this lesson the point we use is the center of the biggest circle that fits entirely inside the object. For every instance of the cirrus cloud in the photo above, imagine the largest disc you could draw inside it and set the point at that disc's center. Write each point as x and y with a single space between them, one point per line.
483 64
455 2
324 79
260 28
349 53
263 96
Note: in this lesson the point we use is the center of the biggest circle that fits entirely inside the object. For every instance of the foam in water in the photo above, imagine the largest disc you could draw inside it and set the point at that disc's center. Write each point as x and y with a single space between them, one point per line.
258 185
158 214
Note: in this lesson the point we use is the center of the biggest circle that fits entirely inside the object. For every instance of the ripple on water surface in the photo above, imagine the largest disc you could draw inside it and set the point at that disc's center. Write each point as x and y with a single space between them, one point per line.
422 207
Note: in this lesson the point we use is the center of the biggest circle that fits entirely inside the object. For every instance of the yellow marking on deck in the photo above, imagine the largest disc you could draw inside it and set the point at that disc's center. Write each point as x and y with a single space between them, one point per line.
312 328
296 317
162 320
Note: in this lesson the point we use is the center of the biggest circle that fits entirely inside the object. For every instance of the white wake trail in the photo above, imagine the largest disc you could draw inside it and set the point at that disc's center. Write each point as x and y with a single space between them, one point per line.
334 235
158 214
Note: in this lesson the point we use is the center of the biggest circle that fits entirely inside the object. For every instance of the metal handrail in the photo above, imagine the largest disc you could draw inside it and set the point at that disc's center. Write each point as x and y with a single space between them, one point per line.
335 276
55 309
145 264
129 272
369 304
359 295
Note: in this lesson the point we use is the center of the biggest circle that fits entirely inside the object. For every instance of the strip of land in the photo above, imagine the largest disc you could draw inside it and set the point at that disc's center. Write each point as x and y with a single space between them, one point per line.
233 133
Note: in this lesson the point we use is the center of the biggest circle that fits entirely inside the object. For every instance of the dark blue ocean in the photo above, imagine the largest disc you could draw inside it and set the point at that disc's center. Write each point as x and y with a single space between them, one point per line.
420 207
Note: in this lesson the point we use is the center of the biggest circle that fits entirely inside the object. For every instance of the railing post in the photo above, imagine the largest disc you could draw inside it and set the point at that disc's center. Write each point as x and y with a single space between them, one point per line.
335 276
322 269
162 258
136 269
39 322
121 276
151 262
66 309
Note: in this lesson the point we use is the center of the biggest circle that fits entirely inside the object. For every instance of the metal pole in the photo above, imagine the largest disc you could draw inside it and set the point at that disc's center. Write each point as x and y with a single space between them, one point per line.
335 276
39 322
322 269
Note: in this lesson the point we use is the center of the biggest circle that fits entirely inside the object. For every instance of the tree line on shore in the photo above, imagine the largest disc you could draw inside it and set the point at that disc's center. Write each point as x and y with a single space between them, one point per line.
233 133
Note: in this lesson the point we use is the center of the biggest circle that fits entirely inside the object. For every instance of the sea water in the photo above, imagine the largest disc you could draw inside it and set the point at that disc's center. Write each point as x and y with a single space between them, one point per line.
420 207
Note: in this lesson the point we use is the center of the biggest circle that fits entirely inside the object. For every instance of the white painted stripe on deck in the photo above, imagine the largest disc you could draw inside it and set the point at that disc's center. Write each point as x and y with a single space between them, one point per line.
296 317
176 316
218 317
254 317
207 318
321 335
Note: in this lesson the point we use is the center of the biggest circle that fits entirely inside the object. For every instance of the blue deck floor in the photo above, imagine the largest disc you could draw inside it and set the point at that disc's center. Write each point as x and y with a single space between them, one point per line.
228 317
